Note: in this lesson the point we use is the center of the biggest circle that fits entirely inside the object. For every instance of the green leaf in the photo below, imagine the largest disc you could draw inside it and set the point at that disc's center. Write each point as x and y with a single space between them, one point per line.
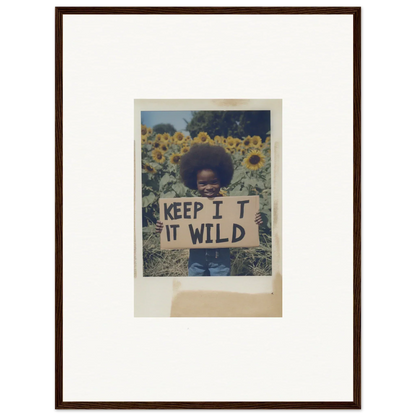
190 193
148 199
234 192
250 181
260 184
153 183
239 173
267 182
166 178
179 188
169 194
266 204
239 192
150 229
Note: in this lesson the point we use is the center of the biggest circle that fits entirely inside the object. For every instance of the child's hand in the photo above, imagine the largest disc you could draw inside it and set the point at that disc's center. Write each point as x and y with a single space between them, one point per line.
159 227
258 219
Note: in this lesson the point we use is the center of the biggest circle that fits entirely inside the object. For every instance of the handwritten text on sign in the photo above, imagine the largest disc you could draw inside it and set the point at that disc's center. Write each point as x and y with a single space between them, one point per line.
209 222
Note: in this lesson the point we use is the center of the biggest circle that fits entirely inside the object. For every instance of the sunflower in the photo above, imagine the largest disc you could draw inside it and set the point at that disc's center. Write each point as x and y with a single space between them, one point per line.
224 140
254 160
243 151
165 137
156 144
149 169
185 149
144 139
149 130
247 142
175 159
267 139
144 129
223 192
158 138
230 141
164 147
158 156
256 141
202 137
218 139
178 137
237 142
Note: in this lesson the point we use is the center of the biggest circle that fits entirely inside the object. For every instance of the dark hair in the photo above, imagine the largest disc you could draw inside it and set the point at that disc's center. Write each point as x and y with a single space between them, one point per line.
205 156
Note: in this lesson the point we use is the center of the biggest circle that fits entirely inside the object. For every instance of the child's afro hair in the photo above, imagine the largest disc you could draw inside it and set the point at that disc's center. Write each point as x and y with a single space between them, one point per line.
205 156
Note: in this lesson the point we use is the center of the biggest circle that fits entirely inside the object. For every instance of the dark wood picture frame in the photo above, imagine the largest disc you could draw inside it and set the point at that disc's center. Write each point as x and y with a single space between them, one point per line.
59 403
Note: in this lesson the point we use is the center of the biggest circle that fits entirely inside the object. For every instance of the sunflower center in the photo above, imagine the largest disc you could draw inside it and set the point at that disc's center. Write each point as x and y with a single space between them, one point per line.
254 159
159 156
176 159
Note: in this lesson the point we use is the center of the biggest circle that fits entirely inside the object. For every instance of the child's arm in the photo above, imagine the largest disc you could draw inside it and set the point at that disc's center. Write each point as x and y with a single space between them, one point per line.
257 218
159 226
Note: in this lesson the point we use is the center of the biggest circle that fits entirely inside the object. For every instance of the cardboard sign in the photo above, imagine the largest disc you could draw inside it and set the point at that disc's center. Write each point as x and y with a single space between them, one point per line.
209 222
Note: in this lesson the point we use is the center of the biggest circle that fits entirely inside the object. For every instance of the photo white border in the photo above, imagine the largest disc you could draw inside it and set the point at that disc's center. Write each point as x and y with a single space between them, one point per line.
152 302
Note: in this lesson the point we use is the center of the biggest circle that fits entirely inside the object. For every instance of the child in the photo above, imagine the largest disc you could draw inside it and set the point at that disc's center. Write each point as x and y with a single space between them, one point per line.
207 169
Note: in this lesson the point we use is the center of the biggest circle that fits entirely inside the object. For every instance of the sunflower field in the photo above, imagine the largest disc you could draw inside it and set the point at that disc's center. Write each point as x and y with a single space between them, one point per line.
160 159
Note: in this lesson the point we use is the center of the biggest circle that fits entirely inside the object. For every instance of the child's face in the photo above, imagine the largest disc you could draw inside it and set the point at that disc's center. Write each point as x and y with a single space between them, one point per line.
208 183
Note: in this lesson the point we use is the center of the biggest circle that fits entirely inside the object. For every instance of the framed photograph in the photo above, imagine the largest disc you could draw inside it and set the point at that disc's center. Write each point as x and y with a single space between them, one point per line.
208 208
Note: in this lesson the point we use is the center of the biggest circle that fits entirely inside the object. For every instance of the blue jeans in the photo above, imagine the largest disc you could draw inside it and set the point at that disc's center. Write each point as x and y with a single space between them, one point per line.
209 262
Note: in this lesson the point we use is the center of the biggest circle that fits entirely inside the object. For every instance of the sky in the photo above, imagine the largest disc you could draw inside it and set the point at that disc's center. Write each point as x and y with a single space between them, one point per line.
176 118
